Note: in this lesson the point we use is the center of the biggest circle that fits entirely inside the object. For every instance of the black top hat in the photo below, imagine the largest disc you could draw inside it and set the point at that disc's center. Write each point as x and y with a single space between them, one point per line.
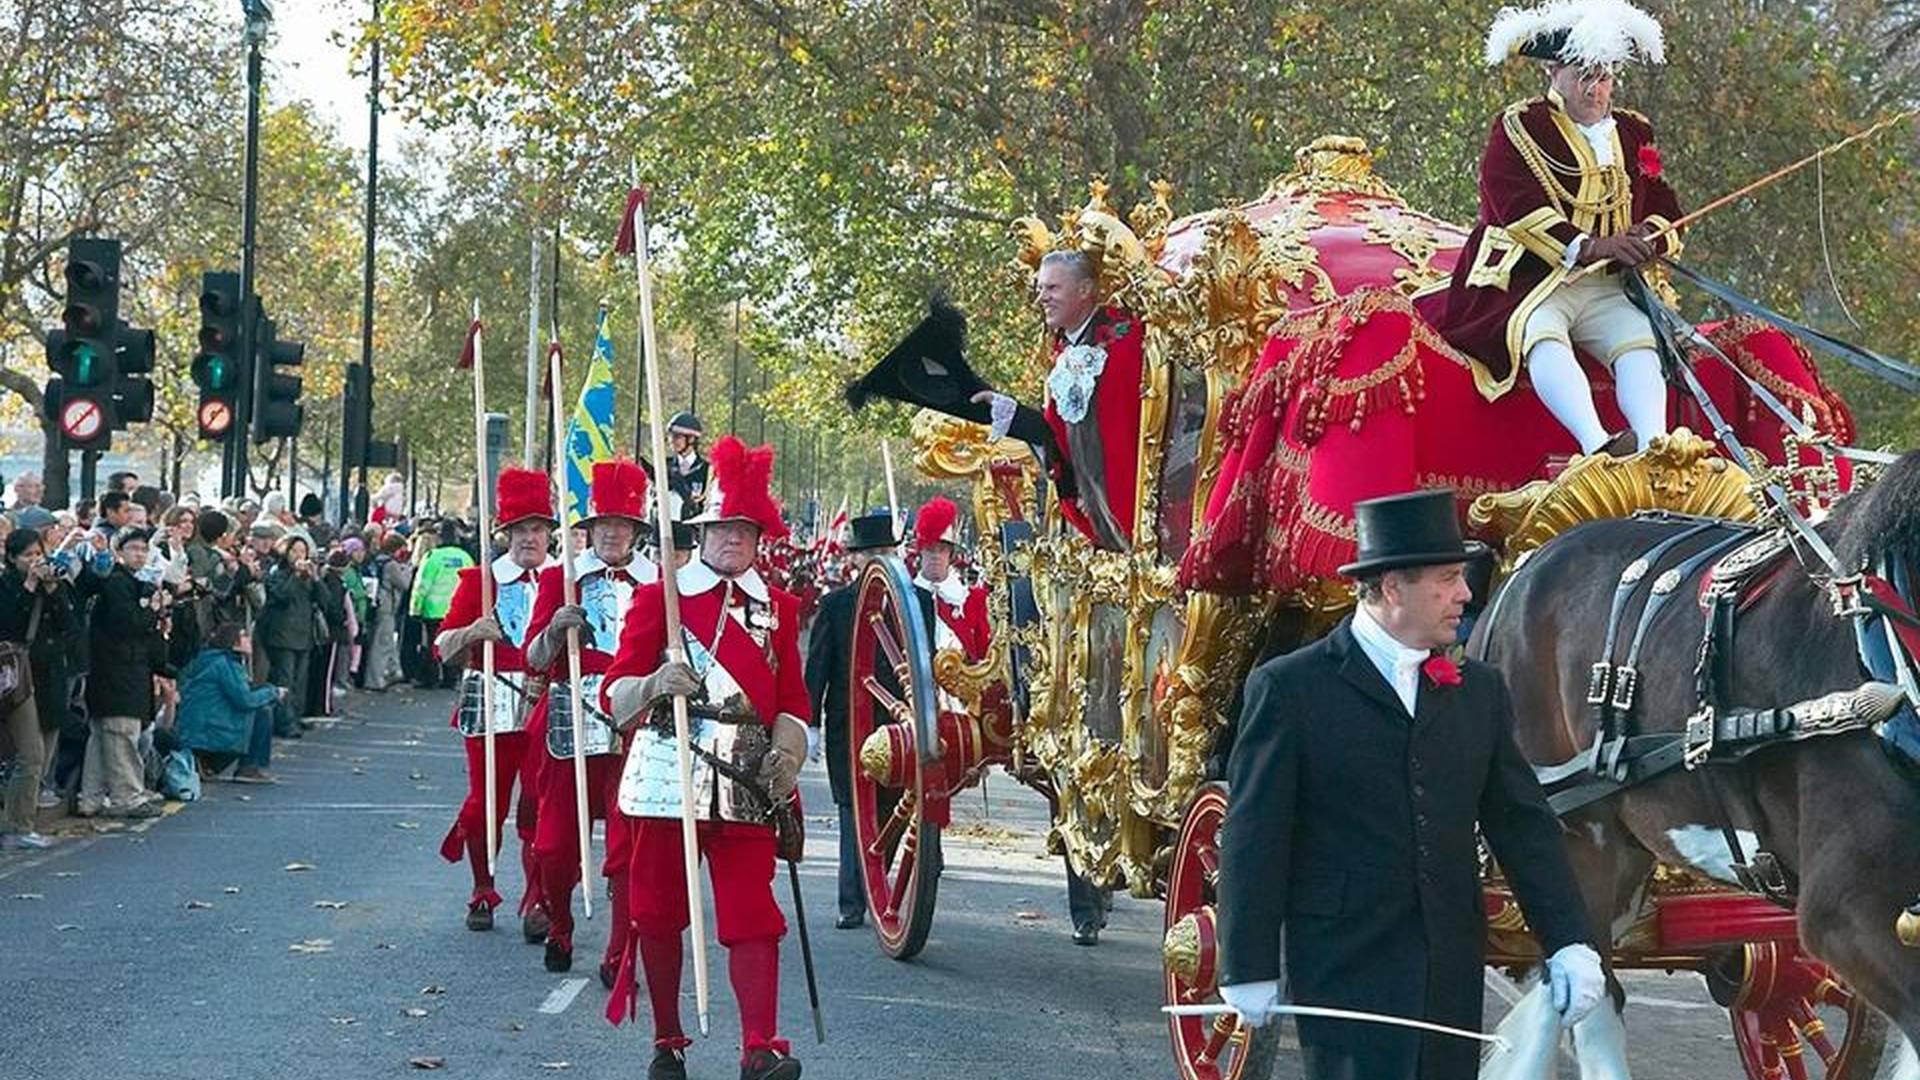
1418 528
872 531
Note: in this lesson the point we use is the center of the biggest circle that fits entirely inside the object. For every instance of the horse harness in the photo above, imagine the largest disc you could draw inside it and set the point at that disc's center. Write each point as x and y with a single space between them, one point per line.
1736 563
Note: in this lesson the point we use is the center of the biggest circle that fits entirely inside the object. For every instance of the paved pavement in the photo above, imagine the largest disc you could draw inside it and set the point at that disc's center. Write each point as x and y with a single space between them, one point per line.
190 947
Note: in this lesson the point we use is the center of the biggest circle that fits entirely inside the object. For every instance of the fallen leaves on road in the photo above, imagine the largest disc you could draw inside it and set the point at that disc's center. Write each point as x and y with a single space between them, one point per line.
427 1062
344 1021
29 896
433 991
244 798
383 945
296 867
406 824
330 905
66 926
311 946
231 890
414 1013
199 905
416 775
515 1025
556 1065
1029 916
358 771
66 873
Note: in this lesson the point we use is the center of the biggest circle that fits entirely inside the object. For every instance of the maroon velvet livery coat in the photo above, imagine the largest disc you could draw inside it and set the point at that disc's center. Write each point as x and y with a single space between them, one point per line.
1512 260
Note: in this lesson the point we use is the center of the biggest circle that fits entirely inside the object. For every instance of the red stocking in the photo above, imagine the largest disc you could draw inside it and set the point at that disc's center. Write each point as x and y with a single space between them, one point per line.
660 958
754 968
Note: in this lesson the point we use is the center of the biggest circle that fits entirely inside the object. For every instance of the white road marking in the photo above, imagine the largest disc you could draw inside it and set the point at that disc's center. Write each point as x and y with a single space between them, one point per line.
1673 1003
562 996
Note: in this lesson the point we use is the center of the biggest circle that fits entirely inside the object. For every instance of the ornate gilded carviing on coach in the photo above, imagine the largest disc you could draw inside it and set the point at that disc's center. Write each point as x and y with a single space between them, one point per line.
1680 472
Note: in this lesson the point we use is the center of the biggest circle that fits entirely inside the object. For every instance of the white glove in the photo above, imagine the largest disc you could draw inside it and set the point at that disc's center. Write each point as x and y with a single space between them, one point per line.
1577 982
1002 408
1254 1002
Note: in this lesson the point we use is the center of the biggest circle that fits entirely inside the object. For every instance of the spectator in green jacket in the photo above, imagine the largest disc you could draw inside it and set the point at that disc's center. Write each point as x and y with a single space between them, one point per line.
432 592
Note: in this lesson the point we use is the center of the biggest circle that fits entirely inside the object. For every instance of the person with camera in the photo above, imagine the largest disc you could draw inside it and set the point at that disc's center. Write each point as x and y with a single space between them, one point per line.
36 614
292 622
129 673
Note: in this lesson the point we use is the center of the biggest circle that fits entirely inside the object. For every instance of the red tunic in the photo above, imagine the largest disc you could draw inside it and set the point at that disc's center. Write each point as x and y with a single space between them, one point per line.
1116 410
1513 259
771 678
464 608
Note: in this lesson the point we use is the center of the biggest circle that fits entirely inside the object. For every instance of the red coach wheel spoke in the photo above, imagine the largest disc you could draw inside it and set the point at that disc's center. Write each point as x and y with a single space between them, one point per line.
1204 1047
1792 1020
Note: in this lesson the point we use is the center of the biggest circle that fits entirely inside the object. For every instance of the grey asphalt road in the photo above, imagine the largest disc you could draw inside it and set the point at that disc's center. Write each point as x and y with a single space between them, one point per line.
185 949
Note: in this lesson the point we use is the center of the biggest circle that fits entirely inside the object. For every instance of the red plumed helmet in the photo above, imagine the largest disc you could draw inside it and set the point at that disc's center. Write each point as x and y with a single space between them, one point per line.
619 490
938 522
521 494
742 488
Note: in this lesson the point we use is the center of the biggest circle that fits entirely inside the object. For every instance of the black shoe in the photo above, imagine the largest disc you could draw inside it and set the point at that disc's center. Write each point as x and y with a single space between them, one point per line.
849 922
609 973
479 916
1086 935
534 926
1622 445
559 957
667 1065
770 1065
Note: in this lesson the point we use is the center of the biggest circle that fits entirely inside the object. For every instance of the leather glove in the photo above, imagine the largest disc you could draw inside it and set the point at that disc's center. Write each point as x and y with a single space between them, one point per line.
1577 982
631 698
781 769
1254 1002
545 649
454 643
1627 250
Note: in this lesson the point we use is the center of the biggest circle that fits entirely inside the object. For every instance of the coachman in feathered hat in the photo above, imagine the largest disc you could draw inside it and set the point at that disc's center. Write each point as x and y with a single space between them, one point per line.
1572 193
741 637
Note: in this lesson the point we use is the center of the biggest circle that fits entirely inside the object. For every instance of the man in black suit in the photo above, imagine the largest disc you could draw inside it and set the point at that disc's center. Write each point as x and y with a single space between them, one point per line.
1364 761
828 653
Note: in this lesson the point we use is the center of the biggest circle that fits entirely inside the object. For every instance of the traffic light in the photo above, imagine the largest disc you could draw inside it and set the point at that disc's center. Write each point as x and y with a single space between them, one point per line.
133 363
83 353
217 367
361 447
277 412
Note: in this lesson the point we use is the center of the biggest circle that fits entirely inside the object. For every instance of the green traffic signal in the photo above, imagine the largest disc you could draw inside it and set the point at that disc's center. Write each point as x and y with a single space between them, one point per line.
213 372
83 359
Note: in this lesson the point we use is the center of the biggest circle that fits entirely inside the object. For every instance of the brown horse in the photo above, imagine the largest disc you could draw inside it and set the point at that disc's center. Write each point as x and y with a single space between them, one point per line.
1840 813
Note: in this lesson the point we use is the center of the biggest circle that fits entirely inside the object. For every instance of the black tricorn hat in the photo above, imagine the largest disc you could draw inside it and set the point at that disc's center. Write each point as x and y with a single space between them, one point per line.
929 368
1398 532
1549 46
870 531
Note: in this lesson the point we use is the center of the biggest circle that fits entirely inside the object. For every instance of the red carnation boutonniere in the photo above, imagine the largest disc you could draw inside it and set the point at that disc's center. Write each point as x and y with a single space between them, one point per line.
1442 671
1650 164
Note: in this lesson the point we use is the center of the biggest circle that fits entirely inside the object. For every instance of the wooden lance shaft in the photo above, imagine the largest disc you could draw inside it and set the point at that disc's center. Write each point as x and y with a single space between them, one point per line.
483 491
1740 193
569 595
670 596
893 493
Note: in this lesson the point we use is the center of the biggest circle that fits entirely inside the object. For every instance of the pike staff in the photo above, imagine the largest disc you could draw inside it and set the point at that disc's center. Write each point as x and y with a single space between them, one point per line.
669 586
482 488
569 595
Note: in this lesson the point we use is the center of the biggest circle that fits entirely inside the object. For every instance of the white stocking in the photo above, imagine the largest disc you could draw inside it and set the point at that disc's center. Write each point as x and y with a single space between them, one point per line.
1641 390
1565 391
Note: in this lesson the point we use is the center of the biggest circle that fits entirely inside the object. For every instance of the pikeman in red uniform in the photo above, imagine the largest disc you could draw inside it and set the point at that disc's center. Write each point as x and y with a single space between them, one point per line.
525 514
741 637
606 574
962 622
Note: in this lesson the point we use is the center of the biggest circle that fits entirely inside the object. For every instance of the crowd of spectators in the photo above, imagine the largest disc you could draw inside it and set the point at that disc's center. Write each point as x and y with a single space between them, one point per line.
150 642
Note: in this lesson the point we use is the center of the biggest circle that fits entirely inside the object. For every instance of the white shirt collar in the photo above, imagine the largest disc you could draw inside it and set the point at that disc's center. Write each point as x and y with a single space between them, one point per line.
952 590
505 569
1397 663
642 570
697 577
1080 331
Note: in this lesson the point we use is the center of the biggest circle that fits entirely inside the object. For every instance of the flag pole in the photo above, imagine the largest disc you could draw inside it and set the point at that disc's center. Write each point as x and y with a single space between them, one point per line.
670 596
893 493
569 595
533 348
482 490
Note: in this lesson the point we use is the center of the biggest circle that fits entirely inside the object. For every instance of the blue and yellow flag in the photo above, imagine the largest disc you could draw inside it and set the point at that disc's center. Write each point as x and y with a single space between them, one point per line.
590 430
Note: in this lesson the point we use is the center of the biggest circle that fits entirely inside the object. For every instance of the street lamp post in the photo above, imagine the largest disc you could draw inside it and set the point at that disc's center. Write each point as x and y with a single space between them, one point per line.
259 16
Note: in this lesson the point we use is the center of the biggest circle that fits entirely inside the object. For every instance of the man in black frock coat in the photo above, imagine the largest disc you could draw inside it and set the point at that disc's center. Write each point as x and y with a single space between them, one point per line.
1363 763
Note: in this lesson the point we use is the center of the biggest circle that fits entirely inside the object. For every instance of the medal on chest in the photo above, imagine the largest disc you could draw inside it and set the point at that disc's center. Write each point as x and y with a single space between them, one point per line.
606 602
513 606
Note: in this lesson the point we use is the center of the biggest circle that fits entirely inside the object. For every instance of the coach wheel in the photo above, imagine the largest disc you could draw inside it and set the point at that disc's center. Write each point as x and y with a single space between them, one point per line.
892 718
1792 1020
1205 1047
